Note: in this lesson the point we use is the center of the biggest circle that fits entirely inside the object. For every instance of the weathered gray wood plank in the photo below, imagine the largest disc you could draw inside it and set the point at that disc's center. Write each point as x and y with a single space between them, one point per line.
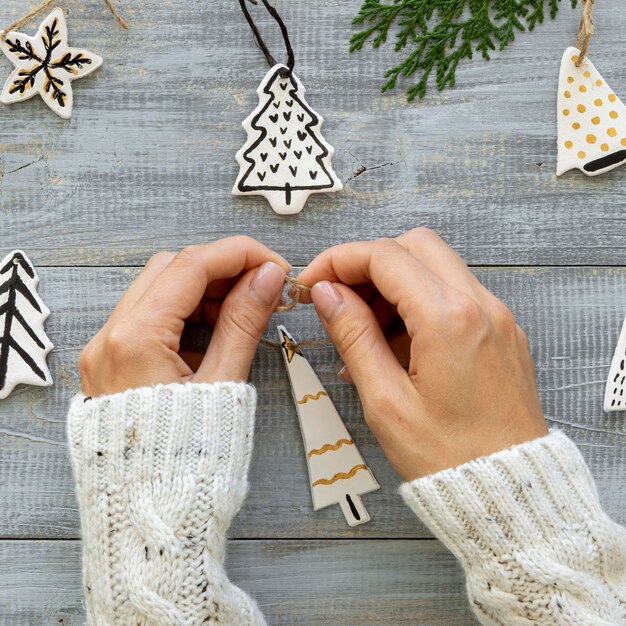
572 317
147 161
347 583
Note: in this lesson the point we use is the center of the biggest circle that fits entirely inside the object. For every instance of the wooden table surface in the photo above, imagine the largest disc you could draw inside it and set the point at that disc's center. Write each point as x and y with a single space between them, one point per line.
147 163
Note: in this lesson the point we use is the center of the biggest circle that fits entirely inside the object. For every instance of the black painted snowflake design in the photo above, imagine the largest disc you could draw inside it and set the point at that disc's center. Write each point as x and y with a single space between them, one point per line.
46 65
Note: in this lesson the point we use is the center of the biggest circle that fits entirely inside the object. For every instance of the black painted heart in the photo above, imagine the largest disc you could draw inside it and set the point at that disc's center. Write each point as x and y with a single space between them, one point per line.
301 117
282 155
263 156
261 175
289 103
274 140
274 168
298 154
287 115
274 118
287 142
283 130
284 86
313 174
309 149
293 169
301 135
276 104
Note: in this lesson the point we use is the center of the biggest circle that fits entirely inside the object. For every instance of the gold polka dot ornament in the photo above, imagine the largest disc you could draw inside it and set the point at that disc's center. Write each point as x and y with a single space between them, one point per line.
591 118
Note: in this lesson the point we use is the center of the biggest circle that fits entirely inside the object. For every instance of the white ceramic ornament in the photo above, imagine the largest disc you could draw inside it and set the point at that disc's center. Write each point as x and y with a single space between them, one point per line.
591 120
615 391
337 472
23 343
45 65
285 158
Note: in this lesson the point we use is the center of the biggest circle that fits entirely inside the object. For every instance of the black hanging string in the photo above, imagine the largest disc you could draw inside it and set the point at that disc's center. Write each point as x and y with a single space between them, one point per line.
257 35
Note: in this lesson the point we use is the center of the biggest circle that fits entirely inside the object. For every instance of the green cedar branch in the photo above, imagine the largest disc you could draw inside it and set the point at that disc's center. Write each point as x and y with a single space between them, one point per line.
441 33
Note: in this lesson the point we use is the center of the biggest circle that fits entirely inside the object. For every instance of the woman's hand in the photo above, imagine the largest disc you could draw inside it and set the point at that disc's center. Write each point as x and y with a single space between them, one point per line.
470 386
233 284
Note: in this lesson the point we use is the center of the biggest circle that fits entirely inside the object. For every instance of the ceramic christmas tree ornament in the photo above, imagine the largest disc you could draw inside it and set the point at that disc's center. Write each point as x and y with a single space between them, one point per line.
285 157
591 119
46 65
615 391
23 342
337 472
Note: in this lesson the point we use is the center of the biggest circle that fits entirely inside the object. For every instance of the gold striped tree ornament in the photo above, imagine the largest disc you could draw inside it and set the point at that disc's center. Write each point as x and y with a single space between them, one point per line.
337 472
591 118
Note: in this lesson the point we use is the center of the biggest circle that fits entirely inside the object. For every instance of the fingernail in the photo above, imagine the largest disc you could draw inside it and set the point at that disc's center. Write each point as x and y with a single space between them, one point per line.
344 373
267 283
328 301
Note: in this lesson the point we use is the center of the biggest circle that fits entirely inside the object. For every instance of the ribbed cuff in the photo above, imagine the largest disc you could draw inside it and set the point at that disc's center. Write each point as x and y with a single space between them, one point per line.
509 501
173 431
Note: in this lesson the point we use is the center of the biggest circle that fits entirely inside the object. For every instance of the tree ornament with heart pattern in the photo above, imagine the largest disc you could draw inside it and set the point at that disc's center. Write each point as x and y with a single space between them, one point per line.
285 157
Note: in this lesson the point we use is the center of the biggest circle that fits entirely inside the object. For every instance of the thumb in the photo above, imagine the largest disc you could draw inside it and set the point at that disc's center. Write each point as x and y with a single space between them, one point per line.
354 329
241 322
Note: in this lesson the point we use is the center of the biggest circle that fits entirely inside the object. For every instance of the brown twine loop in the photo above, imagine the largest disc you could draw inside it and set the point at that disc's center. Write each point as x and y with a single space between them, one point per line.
295 292
46 3
585 30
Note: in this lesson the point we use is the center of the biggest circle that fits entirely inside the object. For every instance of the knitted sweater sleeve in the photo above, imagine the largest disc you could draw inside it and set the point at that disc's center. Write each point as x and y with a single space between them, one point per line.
529 531
160 473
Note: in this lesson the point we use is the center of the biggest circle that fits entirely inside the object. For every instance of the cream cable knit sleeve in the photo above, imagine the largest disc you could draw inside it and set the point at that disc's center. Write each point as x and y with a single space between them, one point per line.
529 531
160 474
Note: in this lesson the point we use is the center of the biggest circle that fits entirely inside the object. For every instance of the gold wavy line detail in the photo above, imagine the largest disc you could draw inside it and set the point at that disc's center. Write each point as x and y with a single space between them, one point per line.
331 446
340 476
310 396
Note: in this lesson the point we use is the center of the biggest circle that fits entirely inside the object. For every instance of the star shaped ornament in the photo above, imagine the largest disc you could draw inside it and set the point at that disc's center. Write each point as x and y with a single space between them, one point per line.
46 65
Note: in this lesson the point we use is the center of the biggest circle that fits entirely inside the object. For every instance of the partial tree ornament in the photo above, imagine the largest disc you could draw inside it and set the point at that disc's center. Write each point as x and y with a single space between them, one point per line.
24 344
46 65
615 390
591 119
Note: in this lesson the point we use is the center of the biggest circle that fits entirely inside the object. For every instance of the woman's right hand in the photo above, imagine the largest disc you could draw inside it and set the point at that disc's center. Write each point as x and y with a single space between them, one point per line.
470 386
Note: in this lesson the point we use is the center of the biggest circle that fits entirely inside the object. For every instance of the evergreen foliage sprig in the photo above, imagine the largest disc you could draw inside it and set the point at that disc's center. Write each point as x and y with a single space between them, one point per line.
441 33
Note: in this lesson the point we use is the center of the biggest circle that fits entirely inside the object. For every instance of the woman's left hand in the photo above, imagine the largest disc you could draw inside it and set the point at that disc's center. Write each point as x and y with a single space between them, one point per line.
233 284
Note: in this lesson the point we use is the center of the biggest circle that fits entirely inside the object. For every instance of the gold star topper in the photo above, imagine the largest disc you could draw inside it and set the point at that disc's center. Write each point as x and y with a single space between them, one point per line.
46 65
290 347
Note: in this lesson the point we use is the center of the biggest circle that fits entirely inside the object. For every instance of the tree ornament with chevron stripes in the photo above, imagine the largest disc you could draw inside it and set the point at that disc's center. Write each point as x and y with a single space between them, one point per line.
285 157
337 472
24 344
